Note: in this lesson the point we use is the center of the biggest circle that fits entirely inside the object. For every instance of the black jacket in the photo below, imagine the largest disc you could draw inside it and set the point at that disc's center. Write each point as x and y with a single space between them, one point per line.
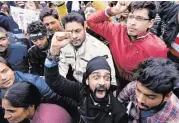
36 60
111 112
168 12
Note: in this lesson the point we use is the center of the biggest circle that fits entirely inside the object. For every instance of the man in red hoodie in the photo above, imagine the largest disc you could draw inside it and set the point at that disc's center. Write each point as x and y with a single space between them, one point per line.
132 43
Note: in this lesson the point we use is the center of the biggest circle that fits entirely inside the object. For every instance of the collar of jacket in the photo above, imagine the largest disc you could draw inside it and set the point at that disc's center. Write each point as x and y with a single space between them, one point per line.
143 35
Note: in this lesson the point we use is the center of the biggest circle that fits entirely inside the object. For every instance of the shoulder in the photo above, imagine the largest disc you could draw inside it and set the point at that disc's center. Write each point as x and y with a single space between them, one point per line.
51 113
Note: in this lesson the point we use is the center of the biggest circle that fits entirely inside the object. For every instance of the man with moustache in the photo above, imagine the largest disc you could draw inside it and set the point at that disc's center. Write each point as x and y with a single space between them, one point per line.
151 92
81 49
96 102
15 54
131 43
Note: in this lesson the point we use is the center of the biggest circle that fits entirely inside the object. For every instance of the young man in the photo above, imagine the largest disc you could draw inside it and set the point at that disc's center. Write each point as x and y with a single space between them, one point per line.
51 20
81 49
132 43
15 54
96 103
151 90
37 53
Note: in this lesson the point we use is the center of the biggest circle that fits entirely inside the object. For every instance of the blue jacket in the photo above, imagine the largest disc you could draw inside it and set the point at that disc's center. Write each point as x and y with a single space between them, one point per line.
17 56
47 94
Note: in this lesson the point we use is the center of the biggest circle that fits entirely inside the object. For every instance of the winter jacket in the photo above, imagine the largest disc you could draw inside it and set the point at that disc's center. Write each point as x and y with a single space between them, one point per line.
47 94
127 54
78 60
17 57
90 111
36 60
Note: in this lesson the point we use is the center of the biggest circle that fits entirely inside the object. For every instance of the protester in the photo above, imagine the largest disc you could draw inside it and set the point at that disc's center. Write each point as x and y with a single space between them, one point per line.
151 90
38 52
81 49
96 103
132 43
15 54
51 20
23 101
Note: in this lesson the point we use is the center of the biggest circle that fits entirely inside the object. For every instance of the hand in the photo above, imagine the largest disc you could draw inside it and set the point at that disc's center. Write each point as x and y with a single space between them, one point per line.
59 40
120 7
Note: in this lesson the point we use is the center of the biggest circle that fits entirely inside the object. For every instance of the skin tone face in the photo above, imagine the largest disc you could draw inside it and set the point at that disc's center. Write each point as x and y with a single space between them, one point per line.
4 42
99 82
30 5
78 33
147 99
137 22
52 24
41 43
16 114
6 76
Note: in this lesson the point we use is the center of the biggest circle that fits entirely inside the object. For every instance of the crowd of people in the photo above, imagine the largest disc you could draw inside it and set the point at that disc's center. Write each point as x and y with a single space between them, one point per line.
90 62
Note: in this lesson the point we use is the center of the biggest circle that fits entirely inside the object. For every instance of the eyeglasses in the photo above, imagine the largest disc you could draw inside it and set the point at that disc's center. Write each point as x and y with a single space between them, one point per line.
138 18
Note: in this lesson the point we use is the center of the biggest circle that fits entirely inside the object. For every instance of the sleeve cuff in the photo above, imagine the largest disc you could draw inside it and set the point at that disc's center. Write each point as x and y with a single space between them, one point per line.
49 63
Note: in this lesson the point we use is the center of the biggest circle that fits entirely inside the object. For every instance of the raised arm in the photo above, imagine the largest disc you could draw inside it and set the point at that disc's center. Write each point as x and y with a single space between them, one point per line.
57 82
99 21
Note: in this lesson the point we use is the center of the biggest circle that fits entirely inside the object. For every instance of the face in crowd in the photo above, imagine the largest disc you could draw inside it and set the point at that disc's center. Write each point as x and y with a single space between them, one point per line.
147 99
138 22
20 102
6 76
52 24
99 82
4 42
41 43
78 33
14 114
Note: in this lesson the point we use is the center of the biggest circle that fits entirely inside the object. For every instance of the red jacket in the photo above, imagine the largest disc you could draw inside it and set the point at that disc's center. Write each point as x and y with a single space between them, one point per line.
127 54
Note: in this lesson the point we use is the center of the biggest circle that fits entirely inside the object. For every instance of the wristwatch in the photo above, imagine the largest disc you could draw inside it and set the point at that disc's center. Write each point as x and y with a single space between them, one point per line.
52 58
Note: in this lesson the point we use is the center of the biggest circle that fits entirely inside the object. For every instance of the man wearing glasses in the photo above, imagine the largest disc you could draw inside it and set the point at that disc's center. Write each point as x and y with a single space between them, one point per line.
132 43
15 54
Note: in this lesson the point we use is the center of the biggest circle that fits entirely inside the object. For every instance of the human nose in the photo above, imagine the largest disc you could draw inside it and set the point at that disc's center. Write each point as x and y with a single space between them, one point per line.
141 98
101 81
7 115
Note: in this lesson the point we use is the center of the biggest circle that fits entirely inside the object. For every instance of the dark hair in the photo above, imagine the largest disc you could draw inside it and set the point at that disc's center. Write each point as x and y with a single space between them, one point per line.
112 3
23 94
157 74
48 12
2 60
149 5
71 17
36 27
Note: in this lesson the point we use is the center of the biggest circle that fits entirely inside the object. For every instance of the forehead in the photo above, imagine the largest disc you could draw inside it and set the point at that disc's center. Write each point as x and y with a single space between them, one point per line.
3 66
140 12
49 19
144 90
6 103
73 26
2 34
101 72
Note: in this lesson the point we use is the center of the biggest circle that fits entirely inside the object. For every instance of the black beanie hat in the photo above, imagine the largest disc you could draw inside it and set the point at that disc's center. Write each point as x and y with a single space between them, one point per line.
95 64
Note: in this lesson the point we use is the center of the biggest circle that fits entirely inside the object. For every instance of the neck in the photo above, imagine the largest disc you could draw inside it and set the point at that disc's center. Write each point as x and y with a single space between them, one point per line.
133 38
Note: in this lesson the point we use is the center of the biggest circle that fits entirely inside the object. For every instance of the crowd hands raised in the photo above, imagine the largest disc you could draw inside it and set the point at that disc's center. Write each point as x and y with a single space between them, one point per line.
90 62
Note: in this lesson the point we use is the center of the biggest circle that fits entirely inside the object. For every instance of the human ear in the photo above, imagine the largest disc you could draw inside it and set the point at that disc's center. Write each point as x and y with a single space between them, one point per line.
167 96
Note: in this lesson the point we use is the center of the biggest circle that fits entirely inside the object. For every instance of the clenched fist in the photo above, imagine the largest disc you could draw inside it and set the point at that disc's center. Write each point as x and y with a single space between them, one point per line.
59 40
120 7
